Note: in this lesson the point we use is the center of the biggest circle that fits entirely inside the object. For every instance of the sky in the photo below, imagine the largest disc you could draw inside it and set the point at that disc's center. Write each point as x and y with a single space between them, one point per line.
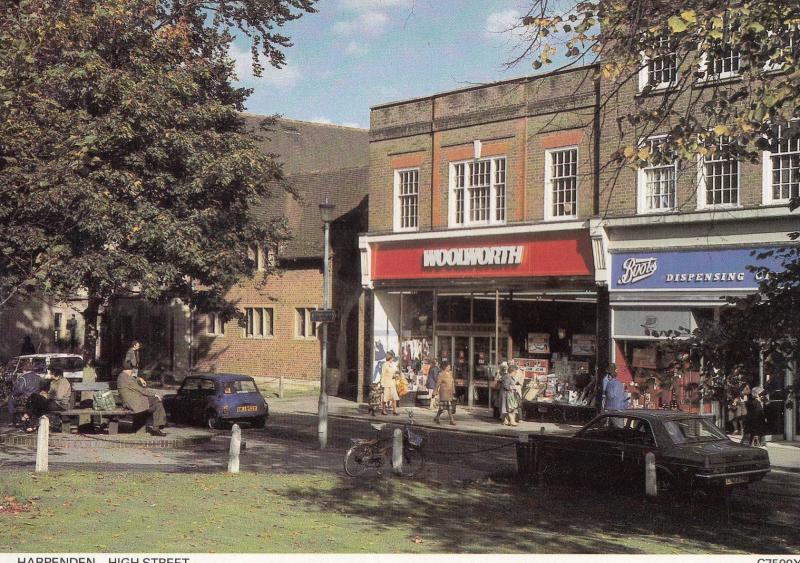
353 54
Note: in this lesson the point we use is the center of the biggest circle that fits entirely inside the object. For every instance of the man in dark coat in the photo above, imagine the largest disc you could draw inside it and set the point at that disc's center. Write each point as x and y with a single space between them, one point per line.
755 423
142 401
27 383
131 361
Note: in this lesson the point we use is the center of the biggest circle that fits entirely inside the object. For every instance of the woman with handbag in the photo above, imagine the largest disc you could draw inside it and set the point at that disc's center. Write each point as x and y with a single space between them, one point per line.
390 373
446 393
509 396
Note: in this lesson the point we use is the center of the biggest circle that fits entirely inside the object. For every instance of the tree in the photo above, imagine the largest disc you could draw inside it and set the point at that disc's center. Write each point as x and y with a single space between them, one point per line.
125 165
651 57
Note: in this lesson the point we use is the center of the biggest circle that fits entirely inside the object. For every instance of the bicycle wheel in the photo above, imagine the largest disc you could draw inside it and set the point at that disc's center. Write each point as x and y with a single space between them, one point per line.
413 461
356 459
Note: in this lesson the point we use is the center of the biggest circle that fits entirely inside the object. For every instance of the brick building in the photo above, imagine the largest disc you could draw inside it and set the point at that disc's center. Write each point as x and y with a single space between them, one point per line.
478 247
275 337
499 230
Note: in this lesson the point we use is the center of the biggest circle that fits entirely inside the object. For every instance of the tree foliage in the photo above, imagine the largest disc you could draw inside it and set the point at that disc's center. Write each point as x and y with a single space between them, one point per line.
125 165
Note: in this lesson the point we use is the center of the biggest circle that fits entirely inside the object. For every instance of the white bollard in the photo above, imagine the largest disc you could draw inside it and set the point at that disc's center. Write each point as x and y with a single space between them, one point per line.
233 453
280 387
42 444
650 481
397 451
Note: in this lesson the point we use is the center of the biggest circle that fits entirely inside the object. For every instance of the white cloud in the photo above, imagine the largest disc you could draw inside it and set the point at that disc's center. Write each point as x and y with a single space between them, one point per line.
284 77
326 121
368 23
373 5
504 25
354 48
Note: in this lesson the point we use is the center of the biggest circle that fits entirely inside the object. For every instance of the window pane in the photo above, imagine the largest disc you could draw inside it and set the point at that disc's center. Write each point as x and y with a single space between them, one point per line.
785 167
564 182
459 193
409 198
722 179
663 68
479 191
500 189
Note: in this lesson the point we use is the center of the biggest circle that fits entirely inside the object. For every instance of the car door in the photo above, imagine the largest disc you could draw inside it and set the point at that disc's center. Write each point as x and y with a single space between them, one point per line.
182 409
205 398
639 440
600 450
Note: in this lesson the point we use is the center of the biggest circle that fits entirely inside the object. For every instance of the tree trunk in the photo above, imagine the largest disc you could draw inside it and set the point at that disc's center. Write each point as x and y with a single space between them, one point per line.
90 315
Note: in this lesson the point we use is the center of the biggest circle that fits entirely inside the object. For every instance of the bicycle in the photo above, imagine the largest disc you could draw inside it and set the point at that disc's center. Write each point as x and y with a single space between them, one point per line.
374 452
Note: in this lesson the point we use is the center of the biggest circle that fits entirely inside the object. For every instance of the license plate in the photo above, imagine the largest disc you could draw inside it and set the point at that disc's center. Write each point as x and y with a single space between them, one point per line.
247 408
735 480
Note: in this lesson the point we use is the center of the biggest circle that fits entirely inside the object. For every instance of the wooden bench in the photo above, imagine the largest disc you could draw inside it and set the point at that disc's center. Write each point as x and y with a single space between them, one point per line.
73 416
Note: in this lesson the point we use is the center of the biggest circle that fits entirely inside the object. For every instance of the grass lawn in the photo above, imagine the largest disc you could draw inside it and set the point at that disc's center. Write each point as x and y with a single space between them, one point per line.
166 512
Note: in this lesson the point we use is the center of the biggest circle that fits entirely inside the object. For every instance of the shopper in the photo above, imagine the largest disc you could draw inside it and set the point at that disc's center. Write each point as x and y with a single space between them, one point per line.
510 387
737 409
614 396
431 381
446 393
57 398
390 373
755 423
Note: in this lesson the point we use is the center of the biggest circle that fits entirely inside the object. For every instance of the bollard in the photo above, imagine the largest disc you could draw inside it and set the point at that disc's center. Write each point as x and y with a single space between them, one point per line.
280 387
42 443
397 452
650 482
233 453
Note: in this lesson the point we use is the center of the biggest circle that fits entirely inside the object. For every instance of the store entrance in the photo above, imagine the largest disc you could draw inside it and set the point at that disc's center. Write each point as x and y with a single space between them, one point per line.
474 359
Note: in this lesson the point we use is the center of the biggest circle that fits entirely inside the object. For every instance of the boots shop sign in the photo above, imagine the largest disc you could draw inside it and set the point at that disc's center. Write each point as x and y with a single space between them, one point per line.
691 269
544 254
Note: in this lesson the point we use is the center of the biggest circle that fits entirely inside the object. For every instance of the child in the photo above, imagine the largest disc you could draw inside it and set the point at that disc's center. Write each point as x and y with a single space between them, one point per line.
375 398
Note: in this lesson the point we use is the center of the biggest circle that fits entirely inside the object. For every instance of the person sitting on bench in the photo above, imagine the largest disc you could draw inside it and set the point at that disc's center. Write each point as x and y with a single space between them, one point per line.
57 398
142 401
26 384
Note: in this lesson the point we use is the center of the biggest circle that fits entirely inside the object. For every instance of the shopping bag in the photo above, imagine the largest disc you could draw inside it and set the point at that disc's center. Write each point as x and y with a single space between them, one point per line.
402 386
103 400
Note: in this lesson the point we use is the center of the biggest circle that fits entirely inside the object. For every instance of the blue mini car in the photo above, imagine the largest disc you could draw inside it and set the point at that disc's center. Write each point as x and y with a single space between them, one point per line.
217 399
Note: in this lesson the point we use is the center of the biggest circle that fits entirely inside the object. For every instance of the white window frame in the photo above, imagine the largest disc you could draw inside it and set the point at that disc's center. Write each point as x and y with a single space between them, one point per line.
494 194
256 253
701 187
548 183
304 334
766 177
214 325
644 73
264 331
397 211
708 77
641 183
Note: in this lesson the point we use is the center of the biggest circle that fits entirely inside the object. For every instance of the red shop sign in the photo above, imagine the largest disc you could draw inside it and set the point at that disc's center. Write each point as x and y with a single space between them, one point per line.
562 253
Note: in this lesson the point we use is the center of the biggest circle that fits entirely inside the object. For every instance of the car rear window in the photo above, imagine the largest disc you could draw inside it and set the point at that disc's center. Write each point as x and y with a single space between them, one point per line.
692 430
240 386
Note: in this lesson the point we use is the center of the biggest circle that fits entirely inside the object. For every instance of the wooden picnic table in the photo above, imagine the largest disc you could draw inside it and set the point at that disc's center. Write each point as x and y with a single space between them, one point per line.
71 416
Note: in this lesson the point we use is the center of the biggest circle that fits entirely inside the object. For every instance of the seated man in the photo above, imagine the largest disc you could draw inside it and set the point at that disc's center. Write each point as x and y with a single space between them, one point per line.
57 398
27 383
142 401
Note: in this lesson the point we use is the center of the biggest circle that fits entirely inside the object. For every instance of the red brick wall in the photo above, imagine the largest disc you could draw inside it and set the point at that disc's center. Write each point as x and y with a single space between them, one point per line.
281 354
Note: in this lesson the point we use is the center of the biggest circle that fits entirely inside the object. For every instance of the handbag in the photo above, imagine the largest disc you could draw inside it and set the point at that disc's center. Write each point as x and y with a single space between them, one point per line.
103 400
402 386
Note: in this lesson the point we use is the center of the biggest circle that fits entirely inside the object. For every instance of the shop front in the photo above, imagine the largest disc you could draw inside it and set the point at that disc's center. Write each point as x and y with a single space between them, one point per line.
475 301
657 298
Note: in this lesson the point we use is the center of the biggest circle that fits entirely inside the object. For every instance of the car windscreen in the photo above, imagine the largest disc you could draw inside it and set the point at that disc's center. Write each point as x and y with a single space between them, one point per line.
692 430
67 364
240 386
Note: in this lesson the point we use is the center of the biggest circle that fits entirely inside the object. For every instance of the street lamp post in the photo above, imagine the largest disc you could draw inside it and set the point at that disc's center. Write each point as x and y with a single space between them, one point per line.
326 212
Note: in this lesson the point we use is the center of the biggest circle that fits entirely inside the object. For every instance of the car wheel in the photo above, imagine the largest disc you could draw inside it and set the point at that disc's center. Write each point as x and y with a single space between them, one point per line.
213 421
259 422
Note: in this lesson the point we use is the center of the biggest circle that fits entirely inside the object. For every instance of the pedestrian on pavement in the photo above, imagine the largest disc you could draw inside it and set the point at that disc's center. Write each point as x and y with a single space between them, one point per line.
737 409
27 347
132 358
390 373
142 401
755 422
431 381
614 397
446 393
510 390
612 368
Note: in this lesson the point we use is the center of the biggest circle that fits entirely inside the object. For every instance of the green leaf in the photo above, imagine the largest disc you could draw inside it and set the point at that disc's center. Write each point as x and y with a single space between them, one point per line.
676 24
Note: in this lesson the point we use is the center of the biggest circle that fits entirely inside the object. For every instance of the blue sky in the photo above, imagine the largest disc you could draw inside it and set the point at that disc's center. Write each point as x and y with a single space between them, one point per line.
354 54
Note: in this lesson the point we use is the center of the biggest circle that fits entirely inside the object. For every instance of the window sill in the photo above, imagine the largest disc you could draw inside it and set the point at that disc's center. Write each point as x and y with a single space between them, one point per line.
561 218
720 207
476 225
414 230
306 338
716 80
214 335
671 211
270 337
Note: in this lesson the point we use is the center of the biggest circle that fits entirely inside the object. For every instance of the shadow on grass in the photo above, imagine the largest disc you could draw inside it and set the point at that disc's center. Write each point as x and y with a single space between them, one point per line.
495 515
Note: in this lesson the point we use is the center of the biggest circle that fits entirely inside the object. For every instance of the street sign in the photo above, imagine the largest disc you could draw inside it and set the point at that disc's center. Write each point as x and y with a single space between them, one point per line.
323 315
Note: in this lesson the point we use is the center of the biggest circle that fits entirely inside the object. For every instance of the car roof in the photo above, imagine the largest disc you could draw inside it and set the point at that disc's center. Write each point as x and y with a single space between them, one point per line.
222 376
653 414
53 355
